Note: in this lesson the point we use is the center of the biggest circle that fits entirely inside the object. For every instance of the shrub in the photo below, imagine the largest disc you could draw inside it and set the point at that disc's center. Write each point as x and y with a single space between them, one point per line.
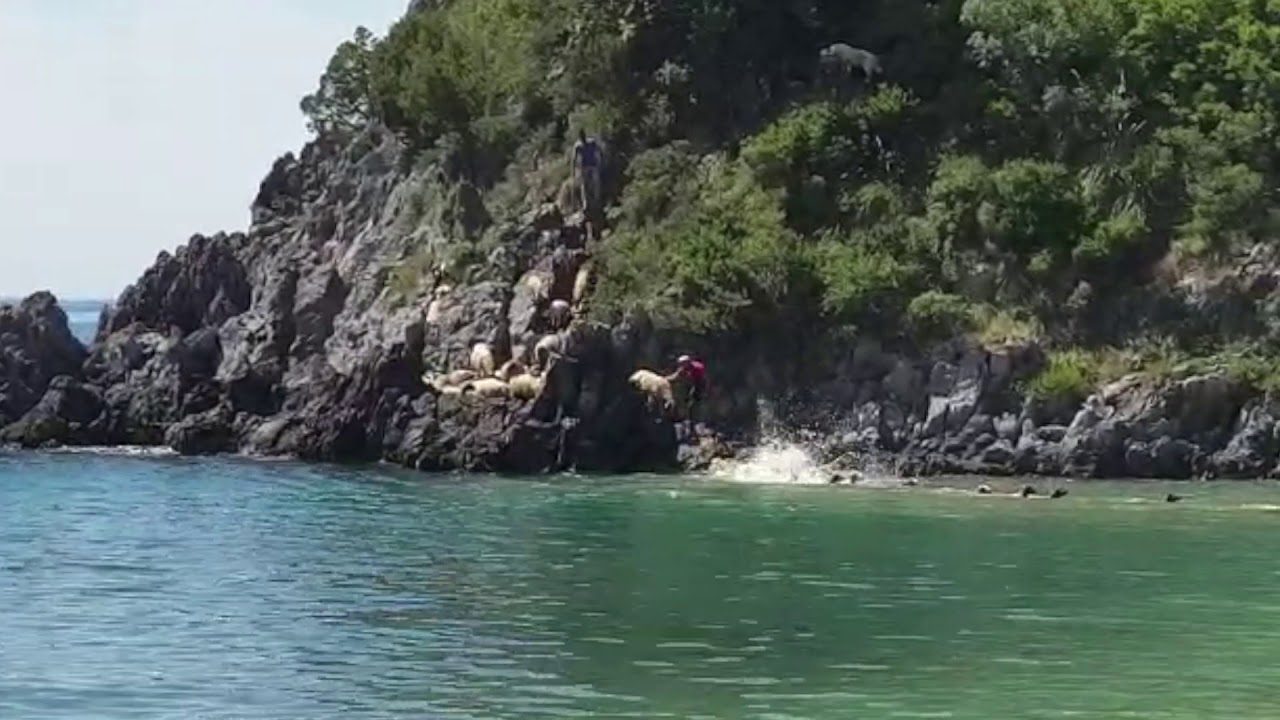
937 315
1033 206
724 251
998 327
1113 239
1068 377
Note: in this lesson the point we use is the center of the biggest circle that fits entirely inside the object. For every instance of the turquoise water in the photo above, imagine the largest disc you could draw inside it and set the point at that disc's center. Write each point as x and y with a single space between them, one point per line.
168 588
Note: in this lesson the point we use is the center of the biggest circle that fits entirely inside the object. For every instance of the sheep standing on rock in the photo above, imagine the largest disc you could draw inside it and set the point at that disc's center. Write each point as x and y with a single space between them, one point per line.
656 389
440 384
511 369
582 283
439 302
489 387
525 387
840 60
482 360
546 349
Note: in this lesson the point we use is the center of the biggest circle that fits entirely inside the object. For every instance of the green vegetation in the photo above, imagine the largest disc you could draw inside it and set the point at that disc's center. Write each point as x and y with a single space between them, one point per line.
1016 152
1068 377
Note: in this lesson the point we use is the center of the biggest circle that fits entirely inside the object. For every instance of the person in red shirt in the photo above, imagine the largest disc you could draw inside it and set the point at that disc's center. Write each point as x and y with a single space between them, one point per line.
693 372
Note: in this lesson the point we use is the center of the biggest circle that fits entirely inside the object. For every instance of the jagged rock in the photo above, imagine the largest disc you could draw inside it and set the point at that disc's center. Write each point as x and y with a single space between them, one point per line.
1051 433
35 347
207 433
70 413
1252 450
201 285
999 453
318 300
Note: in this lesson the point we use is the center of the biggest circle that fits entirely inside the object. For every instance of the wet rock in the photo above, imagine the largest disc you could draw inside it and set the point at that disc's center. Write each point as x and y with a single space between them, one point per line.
70 413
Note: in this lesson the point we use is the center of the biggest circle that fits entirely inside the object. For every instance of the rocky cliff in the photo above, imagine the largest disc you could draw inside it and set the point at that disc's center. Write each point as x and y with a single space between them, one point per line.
816 239
308 336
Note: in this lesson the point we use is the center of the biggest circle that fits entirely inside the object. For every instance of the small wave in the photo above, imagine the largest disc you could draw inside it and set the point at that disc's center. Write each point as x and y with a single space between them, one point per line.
117 451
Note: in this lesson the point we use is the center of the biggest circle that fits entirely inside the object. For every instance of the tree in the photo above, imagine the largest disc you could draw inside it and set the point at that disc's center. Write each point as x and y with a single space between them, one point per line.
342 102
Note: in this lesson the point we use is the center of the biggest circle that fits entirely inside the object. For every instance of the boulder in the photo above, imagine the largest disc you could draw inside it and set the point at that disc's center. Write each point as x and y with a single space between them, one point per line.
70 413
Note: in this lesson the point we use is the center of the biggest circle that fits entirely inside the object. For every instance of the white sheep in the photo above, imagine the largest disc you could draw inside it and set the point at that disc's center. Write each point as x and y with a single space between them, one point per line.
538 283
482 360
510 369
439 303
489 387
547 348
656 388
525 387
440 383
559 314
840 60
582 283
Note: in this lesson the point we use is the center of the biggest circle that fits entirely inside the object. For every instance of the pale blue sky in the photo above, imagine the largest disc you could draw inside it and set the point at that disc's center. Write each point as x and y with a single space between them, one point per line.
128 125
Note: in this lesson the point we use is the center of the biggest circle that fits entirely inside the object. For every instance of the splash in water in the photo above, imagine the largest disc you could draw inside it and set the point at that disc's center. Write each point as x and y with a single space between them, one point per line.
772 463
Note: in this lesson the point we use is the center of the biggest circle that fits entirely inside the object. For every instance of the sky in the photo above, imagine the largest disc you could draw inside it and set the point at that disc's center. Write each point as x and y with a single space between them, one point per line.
127 126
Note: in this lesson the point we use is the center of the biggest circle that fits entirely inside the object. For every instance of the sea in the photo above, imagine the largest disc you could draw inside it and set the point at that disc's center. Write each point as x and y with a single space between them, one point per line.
142 585
82 317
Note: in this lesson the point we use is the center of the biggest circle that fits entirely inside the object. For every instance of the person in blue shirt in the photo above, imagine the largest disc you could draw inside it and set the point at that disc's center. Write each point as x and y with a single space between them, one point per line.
588 158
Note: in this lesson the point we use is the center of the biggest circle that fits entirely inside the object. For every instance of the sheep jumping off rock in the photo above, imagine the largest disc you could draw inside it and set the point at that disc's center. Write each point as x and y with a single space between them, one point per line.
656 389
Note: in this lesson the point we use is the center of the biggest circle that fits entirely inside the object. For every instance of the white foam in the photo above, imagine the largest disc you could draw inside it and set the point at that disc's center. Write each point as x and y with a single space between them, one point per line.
118 451
774 463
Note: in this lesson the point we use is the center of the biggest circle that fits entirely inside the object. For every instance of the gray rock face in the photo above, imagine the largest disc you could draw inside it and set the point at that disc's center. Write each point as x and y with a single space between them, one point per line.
298 338
35 347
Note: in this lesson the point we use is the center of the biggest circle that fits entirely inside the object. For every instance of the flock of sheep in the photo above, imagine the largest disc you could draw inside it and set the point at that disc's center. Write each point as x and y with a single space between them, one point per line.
523 376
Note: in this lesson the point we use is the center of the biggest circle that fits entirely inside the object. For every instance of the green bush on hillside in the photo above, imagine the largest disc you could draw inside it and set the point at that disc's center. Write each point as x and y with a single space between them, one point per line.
1043 143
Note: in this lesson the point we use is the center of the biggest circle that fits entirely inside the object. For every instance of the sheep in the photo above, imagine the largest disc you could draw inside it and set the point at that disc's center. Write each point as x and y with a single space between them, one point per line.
511 369
547 348
559 314
526 387
582 283
438 304
482 360
656 388
489 387
839 60
538 284
440 383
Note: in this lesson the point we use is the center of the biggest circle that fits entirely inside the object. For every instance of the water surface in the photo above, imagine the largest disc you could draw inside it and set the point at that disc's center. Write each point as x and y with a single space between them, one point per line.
169 588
